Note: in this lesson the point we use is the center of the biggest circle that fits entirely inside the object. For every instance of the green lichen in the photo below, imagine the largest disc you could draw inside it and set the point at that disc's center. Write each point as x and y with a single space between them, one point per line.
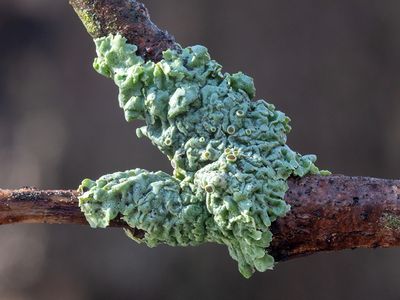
391 221
88 20
229 155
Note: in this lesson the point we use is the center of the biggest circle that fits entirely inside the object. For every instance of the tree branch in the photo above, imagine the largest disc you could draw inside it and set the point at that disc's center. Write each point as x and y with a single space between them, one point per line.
337 212
130 18
328 213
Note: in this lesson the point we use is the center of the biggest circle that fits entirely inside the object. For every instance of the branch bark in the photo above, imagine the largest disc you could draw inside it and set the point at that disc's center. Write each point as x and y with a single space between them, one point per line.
328 213
337 212
130 18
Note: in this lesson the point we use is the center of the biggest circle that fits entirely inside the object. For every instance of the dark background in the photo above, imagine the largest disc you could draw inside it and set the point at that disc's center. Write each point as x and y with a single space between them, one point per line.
332 66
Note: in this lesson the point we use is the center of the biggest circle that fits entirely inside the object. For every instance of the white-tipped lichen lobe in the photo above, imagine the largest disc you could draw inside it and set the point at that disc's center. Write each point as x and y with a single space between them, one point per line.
229 155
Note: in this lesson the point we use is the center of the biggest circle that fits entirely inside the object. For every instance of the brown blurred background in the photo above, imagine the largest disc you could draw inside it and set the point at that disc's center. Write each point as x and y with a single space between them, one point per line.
332 66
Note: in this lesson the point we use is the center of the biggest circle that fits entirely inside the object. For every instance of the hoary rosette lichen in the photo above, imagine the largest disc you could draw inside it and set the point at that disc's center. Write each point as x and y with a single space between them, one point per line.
229 155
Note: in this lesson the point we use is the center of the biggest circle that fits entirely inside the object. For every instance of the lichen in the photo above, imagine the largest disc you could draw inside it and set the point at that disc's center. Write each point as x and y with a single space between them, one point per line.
229 155
390 221
88 20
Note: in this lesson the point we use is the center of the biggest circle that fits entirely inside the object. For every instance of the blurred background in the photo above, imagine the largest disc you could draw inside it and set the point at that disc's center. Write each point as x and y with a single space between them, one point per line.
332 66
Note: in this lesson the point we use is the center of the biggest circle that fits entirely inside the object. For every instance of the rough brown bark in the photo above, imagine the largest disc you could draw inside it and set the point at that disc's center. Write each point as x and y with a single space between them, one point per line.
130 18
328 213
337 212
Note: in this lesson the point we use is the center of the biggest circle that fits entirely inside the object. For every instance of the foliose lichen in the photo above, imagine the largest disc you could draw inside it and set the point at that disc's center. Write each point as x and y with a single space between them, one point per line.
229 155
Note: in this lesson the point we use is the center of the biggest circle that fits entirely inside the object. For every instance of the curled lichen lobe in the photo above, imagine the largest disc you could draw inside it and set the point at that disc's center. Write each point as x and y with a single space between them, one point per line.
229 155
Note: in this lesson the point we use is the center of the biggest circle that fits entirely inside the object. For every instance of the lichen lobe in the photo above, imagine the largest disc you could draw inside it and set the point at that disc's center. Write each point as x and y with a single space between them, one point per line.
229 155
